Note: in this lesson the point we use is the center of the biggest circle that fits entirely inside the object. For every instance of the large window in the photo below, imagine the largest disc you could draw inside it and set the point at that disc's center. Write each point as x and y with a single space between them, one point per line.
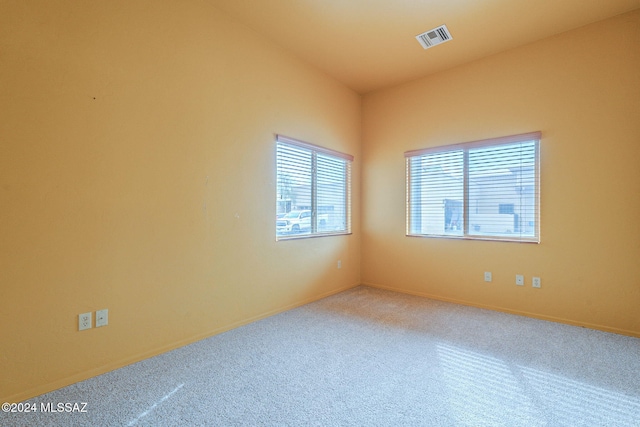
480 190
313 195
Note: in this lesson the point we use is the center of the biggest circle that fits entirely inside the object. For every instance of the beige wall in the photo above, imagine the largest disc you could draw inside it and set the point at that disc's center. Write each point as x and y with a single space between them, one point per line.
582 90
137 173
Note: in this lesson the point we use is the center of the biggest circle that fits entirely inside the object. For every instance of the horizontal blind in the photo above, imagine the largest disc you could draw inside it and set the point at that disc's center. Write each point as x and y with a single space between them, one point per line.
313 190
503 191
295 184
332 206
483 189
436 193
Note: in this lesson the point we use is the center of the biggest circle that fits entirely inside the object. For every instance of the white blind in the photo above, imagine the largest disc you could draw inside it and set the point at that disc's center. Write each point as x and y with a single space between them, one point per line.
484 189
313 190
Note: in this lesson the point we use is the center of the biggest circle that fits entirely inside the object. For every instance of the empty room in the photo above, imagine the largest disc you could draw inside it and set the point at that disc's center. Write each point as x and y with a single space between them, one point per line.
306 212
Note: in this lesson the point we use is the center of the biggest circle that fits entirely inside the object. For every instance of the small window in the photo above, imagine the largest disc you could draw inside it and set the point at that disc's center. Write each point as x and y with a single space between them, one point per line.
478 190
313 194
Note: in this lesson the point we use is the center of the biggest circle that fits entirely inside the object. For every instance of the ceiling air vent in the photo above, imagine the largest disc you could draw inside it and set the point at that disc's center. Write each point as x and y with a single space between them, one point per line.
434 37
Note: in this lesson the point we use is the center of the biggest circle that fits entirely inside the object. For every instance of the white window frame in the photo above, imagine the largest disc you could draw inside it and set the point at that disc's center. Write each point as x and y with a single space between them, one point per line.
315 151
416 212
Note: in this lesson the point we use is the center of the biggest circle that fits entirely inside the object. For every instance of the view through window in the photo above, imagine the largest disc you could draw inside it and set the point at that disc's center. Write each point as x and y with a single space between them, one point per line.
484 189
313 190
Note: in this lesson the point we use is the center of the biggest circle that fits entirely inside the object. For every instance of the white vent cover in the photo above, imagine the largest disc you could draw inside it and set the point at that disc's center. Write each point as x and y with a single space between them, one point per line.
434 37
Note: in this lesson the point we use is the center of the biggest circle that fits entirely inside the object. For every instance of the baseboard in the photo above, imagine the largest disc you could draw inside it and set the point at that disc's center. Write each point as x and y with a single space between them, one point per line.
46 388
510 311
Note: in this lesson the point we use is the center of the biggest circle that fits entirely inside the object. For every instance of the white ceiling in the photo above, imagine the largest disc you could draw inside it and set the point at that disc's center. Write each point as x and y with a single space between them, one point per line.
370 44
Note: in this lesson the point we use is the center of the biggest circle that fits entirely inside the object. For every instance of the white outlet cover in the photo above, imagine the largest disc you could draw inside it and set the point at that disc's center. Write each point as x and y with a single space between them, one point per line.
84 321
535 282
102 318
487 276
519 280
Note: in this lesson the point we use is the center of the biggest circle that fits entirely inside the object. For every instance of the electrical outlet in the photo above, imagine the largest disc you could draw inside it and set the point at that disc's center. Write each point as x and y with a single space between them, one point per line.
102 318
519 280
535 282
487 276
339 263
84 321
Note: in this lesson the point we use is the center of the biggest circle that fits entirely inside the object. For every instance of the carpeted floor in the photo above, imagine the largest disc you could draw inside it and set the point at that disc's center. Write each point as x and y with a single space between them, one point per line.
368 357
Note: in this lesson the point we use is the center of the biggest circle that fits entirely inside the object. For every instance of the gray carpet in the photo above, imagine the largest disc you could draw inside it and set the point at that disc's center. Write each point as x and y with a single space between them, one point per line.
368 357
